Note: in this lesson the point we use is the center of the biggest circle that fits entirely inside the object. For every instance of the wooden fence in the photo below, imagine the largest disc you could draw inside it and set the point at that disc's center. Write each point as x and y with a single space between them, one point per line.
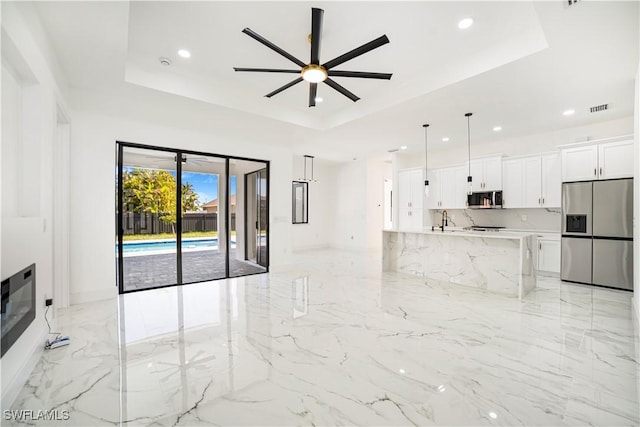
146 223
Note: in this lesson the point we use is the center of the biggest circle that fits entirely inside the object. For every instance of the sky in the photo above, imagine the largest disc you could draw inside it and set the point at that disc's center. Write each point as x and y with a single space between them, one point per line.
204 184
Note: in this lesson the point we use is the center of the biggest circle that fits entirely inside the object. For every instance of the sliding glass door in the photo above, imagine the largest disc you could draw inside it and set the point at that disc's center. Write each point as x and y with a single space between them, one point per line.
204 236
149 245
182 217
248 253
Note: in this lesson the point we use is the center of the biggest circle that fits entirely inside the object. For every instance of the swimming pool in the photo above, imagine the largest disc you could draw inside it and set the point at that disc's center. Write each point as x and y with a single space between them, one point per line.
168 245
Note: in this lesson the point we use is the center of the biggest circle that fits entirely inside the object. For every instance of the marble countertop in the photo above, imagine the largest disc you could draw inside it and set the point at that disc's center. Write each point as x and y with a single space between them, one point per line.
459 232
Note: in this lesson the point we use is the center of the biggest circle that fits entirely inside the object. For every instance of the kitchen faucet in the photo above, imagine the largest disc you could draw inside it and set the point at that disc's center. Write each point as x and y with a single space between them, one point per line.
444 220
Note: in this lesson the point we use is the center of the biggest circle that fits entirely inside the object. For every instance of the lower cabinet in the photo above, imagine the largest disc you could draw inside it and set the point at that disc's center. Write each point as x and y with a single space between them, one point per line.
410 219
548 253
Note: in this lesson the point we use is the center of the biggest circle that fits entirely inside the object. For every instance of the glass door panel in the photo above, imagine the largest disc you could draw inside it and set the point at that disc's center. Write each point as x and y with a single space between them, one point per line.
250 254
148 182
204 208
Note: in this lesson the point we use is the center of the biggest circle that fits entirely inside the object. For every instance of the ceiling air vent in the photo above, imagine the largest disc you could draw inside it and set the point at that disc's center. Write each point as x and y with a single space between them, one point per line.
393 150
599 108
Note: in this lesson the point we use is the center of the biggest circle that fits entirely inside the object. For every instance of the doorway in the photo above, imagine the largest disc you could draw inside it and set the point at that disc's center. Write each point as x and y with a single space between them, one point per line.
177 217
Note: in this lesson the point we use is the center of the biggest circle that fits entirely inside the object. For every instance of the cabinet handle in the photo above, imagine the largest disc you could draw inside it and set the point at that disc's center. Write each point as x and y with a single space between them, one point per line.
543 200
595 172
600 171
539 201
539 246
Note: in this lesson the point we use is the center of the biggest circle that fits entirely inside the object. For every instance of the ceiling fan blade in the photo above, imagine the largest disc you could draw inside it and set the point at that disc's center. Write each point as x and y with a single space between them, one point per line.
267 70
316 34
273 47
287 86
361 74
342 90
313 91
380 41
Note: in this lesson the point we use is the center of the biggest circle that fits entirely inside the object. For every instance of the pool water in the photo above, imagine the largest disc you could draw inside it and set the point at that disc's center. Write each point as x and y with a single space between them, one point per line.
165 245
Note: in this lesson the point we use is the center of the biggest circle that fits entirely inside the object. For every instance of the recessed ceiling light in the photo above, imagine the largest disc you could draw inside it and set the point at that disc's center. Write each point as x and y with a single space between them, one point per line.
319 99
493 415
497 128
404 147
184 53
445 139
402 371
465 23
568 112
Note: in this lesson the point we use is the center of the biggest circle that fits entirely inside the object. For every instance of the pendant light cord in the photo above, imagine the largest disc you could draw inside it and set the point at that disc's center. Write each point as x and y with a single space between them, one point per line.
425 126
469 140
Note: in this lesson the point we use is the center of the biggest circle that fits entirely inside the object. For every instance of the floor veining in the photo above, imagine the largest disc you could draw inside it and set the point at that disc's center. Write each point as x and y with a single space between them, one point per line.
334 341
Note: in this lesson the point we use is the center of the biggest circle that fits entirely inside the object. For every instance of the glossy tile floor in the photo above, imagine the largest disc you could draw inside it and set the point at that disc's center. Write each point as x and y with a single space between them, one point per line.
336 342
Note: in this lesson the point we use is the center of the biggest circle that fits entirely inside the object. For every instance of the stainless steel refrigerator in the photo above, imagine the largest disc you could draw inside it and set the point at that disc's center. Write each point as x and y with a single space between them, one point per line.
597 233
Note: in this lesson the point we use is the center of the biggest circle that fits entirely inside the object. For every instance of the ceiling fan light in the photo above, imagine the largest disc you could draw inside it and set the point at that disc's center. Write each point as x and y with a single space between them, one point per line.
313 73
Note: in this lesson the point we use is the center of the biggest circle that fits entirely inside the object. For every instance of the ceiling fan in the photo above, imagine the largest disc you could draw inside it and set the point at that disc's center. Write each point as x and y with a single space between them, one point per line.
314 72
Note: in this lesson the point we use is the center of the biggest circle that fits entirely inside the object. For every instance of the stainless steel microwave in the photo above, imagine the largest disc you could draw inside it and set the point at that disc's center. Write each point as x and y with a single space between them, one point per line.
485 200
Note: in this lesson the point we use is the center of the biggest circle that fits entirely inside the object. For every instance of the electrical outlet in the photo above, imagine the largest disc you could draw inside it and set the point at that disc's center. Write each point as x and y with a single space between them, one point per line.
524 217
48 302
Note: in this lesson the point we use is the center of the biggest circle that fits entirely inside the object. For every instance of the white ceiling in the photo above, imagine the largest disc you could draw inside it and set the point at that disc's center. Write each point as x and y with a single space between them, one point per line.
520 65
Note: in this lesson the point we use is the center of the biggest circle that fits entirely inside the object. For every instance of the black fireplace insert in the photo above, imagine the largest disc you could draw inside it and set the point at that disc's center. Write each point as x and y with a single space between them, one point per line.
18 305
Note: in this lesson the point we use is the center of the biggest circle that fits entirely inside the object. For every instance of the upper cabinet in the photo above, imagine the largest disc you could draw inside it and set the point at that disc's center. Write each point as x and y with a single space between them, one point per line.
607 160
410 199
615 160
551 180
447 188
486 174
531 182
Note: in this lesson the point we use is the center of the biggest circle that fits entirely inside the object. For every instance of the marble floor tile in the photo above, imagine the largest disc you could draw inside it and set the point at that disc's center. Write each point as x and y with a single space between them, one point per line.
334 341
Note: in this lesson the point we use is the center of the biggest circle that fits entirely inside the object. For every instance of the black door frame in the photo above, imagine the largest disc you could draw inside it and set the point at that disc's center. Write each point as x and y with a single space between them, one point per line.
120 145
246 223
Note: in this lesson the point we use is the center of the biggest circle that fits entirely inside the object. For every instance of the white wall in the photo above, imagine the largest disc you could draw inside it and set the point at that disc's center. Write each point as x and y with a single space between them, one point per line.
31 96
93 142
322 205
349 228
358 197
378 169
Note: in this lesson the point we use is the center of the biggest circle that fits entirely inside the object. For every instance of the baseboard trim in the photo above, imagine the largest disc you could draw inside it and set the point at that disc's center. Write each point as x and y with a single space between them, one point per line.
90 296
10 394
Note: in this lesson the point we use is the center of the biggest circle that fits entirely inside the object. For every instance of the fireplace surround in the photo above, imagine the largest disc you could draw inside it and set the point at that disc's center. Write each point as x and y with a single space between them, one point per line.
18 305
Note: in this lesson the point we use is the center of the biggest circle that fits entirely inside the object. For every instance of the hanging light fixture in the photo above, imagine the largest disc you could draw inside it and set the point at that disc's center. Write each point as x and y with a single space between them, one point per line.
305 179
469 178
426 171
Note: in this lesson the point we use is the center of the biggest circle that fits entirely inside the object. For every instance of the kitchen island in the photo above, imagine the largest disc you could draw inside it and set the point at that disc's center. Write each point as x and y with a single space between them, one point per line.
500 262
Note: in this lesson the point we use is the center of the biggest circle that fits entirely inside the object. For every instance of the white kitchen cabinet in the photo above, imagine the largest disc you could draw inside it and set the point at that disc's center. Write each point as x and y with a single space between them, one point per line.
410 199
548 253
606 160
531 182
487 174
551 180
448 189
512 183
615 160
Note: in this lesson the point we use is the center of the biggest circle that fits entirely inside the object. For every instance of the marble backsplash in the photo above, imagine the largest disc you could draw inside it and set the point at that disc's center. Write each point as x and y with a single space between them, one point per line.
539 219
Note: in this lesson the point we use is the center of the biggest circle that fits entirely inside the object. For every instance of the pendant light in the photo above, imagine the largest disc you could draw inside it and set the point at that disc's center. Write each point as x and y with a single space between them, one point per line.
469 178
305 179
426 171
